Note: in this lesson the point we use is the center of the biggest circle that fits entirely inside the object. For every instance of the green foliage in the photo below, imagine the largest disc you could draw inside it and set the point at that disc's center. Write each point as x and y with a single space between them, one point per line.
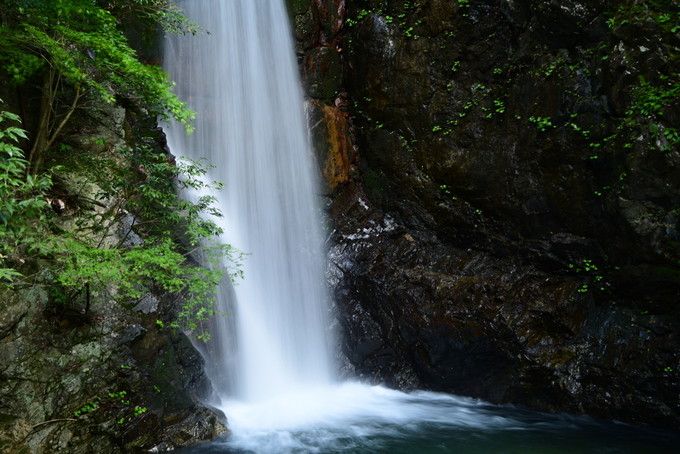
83 42
130 269
172 228
655 95
649 111
89 254
79 49
661 14
162 12
588 268
404 18
651 101
117 406
576 128
542 123
89 407
445 189
361 15
22 202
118 395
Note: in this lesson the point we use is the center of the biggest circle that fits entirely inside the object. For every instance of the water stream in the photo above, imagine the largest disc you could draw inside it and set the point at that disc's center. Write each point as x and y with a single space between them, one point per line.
269 358
242 80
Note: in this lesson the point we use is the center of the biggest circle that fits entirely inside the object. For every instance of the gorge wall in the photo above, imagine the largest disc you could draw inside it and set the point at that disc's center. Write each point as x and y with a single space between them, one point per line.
503 181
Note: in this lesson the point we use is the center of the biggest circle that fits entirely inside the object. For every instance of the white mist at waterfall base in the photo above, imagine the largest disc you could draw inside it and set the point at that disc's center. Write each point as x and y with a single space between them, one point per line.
269 359
346 415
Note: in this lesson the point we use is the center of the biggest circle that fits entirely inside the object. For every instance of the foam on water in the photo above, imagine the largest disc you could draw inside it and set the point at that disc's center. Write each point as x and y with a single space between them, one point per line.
357 418
336 417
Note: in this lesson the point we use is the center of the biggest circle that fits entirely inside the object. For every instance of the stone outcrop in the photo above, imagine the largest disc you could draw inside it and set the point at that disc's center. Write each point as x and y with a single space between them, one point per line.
107 381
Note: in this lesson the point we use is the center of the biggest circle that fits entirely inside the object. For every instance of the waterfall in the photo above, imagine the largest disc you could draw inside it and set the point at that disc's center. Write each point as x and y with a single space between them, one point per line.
268 359
240 76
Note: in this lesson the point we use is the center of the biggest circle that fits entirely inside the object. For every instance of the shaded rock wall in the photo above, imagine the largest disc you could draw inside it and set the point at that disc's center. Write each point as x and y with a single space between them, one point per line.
508 225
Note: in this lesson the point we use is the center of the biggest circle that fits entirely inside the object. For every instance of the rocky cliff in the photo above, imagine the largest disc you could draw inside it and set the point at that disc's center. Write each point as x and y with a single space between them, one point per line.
92 375
504 187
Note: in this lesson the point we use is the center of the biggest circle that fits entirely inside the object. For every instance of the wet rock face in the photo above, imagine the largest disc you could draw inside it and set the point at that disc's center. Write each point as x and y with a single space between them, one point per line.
507 228
317 27
418 312
330 130
110 378
323 72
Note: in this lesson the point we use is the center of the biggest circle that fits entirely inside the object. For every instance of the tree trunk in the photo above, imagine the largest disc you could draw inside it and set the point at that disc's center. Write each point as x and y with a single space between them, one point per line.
42 130
49 126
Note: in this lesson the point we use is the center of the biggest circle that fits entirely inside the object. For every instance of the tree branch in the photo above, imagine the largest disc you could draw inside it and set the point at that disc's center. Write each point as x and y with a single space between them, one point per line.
72 109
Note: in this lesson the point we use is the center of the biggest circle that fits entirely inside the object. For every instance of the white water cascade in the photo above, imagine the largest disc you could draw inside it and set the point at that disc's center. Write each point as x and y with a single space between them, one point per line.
240 76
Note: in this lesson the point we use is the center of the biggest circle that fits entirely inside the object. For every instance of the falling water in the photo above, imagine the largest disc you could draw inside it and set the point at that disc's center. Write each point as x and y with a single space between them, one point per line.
241 77
269 359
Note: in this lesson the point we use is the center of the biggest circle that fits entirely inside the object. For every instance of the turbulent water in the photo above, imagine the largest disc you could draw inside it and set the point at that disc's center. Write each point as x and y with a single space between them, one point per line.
269 359
355 418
